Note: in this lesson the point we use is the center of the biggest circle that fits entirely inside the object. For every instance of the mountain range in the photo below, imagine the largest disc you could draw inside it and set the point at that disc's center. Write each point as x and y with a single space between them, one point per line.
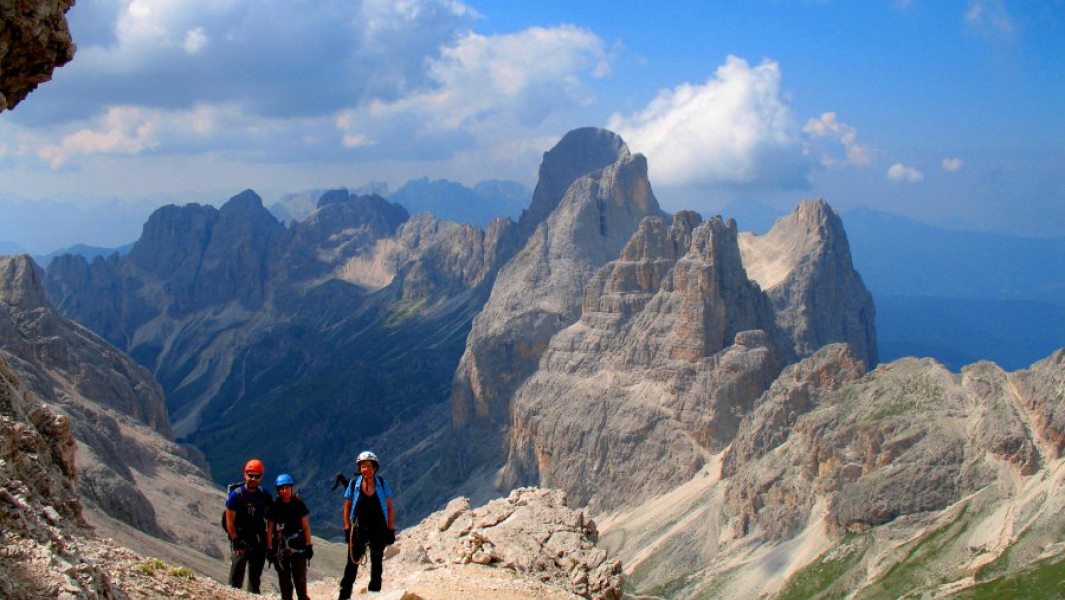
650 366
714 399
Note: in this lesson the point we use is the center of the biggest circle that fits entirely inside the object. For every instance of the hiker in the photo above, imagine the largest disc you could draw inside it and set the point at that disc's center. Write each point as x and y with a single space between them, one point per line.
288 538
246 525
368 520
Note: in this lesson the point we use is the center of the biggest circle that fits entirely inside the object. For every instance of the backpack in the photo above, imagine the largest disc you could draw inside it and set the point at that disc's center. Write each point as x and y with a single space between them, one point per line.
229 490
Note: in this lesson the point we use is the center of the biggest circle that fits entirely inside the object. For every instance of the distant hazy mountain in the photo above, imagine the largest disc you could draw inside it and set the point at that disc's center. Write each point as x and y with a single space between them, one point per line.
901 257
42 226
450 201
298 206
89 252
960 296
7 248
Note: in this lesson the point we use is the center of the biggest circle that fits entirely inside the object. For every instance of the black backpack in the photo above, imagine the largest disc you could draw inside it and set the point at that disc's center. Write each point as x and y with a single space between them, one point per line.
229 490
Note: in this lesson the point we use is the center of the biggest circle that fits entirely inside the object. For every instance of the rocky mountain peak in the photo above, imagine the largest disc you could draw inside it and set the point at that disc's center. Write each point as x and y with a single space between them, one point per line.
804 265
245 214
173 238
20 283
246 200
578 153
538 292
333 197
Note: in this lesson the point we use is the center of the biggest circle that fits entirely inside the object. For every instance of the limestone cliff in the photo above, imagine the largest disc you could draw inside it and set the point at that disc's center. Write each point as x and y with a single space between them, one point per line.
39 508
672 349
115 410
538 292
804 265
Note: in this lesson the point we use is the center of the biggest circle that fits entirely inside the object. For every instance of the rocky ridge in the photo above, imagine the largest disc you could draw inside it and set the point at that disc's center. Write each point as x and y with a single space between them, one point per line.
908 479
130 468
529 544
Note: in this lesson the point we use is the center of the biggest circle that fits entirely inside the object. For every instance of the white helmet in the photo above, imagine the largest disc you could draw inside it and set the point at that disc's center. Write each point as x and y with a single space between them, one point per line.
370 456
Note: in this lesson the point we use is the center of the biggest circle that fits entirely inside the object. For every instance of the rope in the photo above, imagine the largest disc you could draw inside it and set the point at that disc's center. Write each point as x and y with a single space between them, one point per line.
351 548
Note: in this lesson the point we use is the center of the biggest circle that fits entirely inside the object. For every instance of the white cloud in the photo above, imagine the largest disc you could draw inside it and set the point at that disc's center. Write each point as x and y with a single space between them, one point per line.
990 19
735 129
278 59
469 97
134 130
900 172
195 40
828 126
124 130
488 88
952 164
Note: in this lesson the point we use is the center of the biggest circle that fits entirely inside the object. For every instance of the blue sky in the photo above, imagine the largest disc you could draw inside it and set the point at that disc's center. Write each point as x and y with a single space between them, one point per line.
950 112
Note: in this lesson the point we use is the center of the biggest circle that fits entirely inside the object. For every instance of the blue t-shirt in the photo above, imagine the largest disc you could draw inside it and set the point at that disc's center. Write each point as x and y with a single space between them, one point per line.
250 508
382 492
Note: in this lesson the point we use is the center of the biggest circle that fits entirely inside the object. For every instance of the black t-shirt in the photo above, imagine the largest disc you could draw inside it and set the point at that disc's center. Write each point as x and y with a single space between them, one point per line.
250 508
288 519
368 512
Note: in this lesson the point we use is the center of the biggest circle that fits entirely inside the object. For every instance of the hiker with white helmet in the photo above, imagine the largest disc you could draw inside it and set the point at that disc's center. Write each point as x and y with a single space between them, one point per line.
368 521
288 538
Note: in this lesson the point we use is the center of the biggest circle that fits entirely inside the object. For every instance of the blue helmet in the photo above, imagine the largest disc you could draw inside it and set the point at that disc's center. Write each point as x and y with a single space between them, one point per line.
283 479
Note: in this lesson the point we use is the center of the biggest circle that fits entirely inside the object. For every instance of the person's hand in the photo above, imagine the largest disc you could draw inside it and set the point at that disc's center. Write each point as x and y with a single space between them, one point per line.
238 546
309 551
390 537
271 558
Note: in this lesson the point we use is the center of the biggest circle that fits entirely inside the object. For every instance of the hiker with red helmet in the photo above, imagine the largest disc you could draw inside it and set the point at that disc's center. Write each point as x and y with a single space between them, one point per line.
246 524
368 521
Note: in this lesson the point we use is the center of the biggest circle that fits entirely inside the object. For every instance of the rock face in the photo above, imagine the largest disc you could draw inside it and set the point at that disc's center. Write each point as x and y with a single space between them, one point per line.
34 40
804 265
669 354
674 346
530 532
910 438
115 410
46 549
591 196
905 480
38 506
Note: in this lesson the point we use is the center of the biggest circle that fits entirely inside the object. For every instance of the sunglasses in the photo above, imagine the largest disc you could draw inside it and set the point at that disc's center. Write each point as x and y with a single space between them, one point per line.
253 476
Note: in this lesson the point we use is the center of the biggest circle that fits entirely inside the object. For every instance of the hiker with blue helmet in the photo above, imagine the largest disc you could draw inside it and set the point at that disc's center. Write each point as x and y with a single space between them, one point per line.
288 538
368 521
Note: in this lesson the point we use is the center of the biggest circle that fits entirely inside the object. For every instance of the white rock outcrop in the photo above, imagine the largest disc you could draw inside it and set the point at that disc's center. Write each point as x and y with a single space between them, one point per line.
531 532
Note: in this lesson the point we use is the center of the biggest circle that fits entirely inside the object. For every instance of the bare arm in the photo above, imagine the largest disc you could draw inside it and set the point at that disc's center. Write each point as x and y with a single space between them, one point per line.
390 511
231 523
347 514
269 534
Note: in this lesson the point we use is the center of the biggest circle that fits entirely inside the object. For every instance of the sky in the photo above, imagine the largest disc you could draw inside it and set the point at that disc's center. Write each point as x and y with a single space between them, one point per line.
948 112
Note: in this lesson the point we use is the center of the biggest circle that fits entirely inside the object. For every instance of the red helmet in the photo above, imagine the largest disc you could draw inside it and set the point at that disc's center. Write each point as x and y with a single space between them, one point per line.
254 466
